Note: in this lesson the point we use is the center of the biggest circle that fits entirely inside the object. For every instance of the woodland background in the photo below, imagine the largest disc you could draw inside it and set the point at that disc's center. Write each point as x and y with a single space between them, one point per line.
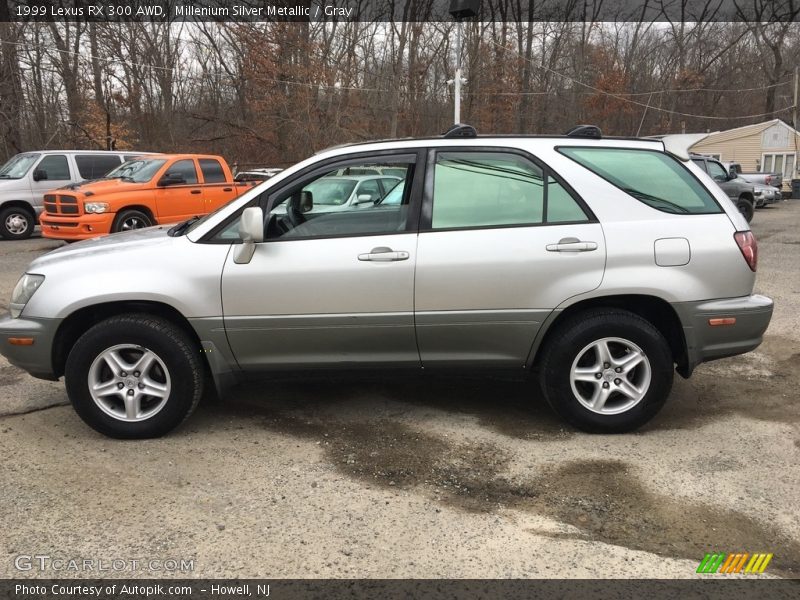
273 93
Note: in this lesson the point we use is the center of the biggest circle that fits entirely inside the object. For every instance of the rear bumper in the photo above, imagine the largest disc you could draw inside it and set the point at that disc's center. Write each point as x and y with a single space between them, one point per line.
76 228
706 342
37 358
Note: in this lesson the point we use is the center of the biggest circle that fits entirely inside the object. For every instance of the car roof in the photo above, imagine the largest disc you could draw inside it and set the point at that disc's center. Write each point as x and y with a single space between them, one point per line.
109 152
525 142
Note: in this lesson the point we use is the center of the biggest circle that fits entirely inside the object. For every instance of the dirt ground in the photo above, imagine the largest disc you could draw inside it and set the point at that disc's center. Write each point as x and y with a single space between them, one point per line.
423 478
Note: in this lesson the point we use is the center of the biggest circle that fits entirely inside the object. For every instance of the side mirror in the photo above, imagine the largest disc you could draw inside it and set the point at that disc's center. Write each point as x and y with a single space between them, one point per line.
171 179
364 198
39 175
251 231
306 201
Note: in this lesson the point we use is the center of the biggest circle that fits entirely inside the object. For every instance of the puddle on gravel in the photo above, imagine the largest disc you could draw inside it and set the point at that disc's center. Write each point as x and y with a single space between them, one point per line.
603 499
512 408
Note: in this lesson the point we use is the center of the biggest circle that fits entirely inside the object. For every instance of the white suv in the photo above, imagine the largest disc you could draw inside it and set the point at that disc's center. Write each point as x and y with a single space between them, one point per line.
602 265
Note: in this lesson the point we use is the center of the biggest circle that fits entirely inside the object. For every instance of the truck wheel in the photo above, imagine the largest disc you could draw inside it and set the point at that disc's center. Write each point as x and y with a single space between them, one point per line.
134 376
606 371
745 207
131 219
16 223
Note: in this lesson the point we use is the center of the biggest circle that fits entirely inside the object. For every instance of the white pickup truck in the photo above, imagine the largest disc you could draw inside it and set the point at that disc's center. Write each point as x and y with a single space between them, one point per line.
772 179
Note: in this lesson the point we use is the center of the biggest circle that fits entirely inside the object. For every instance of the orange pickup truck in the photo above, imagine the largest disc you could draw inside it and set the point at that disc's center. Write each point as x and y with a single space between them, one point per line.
150 190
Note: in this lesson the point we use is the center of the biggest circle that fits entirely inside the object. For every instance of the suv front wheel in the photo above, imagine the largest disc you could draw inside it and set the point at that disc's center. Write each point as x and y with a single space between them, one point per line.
607 371
134 376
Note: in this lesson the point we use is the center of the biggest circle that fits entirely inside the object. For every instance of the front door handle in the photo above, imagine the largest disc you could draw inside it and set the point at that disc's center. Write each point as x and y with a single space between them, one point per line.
571 244
195 191
383 254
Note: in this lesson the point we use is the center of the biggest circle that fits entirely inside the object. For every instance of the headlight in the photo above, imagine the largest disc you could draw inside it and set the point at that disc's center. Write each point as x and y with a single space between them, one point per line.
24 290
95 207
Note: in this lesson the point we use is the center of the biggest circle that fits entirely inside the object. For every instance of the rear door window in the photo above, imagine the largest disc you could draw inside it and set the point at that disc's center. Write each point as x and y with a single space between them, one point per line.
212 171
654 178
94 166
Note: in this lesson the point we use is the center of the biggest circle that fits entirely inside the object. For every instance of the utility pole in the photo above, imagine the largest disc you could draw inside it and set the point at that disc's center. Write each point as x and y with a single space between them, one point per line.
460 10
794 106
457 80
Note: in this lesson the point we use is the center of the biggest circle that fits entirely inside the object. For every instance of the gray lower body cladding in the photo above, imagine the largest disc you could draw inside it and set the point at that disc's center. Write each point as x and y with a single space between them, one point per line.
706 341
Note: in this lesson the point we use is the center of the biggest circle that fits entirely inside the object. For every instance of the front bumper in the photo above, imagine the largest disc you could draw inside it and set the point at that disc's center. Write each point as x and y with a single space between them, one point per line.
37 358
705 342
84 227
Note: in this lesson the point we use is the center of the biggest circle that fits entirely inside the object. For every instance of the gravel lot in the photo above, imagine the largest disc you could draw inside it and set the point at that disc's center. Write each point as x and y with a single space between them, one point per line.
421 478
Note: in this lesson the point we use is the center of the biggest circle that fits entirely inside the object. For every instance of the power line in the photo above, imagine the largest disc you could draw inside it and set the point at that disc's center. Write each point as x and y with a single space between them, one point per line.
619 97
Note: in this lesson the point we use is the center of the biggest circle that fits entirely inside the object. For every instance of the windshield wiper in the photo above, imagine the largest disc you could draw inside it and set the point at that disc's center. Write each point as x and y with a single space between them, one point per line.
645 197
181 227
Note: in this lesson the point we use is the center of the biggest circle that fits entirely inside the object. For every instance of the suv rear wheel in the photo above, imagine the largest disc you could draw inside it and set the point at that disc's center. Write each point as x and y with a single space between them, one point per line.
134 376
607 371
16 223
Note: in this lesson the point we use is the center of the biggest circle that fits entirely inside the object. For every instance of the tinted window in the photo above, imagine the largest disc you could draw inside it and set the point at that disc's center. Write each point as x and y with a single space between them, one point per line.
55 167
319 207
186 169
480 189
654 178
94 166
561 206
212 171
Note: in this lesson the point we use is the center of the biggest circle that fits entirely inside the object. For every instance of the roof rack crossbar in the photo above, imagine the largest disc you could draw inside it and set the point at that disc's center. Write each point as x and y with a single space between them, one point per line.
585 131
461 130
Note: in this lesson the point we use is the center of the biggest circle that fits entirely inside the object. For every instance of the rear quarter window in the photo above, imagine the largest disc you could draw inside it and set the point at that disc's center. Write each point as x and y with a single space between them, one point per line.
94 166
654 178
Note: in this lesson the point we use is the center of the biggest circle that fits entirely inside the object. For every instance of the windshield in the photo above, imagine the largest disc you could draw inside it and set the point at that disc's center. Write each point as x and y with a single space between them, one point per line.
17 166
331 192
138 171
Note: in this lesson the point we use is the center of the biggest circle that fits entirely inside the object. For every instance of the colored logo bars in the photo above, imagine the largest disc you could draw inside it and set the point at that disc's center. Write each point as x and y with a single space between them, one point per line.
720 562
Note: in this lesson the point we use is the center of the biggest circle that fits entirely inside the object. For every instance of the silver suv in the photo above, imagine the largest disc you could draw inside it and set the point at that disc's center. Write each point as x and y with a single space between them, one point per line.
601 265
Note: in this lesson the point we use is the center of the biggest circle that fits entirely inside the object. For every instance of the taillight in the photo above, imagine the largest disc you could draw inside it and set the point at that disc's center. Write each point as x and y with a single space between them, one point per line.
748 246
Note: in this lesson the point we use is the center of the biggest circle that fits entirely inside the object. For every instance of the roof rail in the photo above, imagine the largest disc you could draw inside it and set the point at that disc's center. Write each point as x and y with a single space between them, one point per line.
585 131
460 130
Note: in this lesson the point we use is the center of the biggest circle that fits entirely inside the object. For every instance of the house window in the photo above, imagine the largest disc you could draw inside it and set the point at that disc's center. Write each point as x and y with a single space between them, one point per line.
783 163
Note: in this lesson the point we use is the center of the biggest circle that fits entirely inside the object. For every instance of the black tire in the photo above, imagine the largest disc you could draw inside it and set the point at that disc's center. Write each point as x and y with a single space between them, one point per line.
176 351
745 207
16 223
566 344
130 219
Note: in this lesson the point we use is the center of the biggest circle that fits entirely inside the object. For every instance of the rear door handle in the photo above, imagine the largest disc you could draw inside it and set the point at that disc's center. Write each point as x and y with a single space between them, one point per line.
227 189
195 191
383 254
571 244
